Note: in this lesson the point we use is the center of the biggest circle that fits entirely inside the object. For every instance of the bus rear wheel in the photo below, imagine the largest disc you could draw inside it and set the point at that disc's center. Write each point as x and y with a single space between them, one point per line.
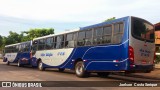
19 63
40 66
61 69
103 74
79 69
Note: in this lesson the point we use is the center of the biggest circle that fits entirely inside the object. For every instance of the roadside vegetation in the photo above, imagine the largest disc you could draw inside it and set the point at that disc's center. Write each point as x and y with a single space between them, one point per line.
14 37
157 57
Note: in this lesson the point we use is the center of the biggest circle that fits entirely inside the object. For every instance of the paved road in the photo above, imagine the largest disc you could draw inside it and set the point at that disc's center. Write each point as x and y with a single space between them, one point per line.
14 73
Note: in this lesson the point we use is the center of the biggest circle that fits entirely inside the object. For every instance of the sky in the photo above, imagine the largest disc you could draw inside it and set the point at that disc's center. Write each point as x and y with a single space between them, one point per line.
23 15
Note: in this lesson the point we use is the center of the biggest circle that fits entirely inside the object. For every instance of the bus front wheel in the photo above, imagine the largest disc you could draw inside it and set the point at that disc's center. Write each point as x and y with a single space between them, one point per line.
79 69
40 66
8 63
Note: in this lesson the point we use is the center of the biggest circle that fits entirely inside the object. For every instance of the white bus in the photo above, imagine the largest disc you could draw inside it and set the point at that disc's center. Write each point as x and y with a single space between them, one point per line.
18 53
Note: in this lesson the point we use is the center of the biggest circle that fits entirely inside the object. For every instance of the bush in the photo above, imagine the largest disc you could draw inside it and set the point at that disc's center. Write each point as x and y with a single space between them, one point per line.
157 59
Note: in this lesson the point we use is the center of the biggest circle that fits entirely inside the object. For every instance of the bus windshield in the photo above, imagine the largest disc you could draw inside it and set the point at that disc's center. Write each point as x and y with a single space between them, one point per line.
142 30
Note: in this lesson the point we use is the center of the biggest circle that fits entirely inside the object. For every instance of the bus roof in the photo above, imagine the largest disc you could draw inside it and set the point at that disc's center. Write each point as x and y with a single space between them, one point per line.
82 28
16 44
104 23
73 30
89 27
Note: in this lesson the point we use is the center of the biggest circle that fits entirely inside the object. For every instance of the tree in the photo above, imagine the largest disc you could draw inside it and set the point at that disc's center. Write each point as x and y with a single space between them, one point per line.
157 56
110 19
12 38
1 42
34 33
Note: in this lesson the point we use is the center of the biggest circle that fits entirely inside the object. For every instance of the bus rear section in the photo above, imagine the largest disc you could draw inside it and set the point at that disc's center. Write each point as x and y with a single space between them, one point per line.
141 46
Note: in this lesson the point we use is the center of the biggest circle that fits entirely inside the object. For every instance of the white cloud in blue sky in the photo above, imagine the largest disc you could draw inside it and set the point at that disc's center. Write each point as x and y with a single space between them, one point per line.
21 15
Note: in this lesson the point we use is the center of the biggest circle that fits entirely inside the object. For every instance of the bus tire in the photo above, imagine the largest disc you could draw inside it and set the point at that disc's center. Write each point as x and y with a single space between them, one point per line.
8 63
33 66
103 74
40 66
79 69
19 63
61 69
147 71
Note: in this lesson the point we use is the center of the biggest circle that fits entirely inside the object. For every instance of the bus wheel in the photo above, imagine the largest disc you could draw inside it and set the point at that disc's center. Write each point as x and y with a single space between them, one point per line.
103 74
61 69
147 71
8 63
79 69
19 63
40 66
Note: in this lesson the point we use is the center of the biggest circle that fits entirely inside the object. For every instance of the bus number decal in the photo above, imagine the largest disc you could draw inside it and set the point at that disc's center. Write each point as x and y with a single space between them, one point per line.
61 53
144 52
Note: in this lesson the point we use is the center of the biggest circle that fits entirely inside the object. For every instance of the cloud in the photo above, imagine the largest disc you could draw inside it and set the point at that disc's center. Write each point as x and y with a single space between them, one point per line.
18 25
21 15
60 10
76 10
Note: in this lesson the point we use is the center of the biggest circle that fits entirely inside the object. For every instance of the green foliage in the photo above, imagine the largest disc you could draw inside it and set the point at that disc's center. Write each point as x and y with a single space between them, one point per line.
1 39
1 42
157 56
34 33
14 37
110 19
157 59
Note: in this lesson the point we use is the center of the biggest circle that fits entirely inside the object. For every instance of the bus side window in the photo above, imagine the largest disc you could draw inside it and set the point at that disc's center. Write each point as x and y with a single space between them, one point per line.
60 41
20 48
17 48
35 44
81 38
54 42
23 47
118 32
69 40
49 43
88 38
6 50
97 37
75 39
13 49
27 46
107 33
41 45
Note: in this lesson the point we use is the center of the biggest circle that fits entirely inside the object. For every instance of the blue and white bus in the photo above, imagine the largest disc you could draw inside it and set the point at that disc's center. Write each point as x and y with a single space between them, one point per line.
18 53
125 44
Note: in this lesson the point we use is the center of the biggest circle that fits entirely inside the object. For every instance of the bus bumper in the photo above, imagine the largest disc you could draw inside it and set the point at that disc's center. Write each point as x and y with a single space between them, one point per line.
142 68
